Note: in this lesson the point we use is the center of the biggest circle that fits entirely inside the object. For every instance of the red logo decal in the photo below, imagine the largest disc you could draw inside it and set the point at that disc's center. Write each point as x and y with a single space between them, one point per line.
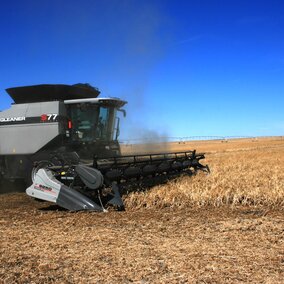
43 117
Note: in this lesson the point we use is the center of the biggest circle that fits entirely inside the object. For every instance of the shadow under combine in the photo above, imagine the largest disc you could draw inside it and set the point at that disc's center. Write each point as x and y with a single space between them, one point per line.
7 186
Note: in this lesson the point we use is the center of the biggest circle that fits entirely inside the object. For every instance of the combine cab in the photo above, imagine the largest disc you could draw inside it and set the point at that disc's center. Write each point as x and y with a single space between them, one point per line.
63 141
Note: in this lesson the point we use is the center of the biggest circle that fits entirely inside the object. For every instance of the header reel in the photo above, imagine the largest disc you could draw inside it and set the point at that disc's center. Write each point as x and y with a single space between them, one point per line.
97 186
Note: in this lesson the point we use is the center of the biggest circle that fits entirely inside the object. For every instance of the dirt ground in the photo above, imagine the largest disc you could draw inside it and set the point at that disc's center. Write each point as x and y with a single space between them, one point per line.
194 244
41 244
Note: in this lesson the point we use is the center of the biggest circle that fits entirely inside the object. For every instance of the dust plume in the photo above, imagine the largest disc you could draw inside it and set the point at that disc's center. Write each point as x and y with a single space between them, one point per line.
147 141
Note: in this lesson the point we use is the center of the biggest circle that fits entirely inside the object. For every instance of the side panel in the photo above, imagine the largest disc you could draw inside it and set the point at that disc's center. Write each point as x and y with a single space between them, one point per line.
26 139
26 128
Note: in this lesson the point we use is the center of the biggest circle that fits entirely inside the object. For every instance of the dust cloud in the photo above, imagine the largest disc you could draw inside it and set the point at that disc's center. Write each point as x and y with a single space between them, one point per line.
145 32
147 141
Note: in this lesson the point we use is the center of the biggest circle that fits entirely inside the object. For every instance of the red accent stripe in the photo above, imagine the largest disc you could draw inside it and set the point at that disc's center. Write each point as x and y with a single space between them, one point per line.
69 124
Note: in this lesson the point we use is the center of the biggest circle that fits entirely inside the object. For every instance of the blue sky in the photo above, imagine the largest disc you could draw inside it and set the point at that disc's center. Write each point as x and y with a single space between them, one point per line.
187 68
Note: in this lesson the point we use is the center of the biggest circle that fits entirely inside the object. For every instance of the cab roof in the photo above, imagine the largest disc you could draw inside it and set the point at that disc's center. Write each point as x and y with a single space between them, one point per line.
115 102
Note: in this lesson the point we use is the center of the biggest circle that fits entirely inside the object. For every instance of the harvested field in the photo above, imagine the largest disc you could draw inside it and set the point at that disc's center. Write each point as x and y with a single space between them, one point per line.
247 172
227 227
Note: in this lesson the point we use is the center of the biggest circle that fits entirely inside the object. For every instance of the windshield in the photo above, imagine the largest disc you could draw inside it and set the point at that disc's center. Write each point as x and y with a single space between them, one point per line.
92 122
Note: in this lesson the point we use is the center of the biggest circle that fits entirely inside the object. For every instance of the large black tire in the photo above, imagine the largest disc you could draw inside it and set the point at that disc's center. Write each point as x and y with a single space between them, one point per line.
32 170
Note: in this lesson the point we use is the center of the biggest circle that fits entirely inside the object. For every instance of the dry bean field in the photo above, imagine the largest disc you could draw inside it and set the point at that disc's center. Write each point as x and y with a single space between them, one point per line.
226 227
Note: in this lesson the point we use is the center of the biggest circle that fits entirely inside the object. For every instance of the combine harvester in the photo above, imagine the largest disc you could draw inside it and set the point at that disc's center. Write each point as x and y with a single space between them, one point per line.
63 141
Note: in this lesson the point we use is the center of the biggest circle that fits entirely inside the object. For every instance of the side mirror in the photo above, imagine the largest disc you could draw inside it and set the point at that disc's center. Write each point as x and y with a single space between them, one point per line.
123 111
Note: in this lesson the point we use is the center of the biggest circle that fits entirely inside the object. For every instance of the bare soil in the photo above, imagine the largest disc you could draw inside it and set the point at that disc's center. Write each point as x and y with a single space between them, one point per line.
42 244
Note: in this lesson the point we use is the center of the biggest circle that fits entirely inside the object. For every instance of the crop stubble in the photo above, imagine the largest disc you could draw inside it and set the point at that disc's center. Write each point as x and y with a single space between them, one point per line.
227 227
243 172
